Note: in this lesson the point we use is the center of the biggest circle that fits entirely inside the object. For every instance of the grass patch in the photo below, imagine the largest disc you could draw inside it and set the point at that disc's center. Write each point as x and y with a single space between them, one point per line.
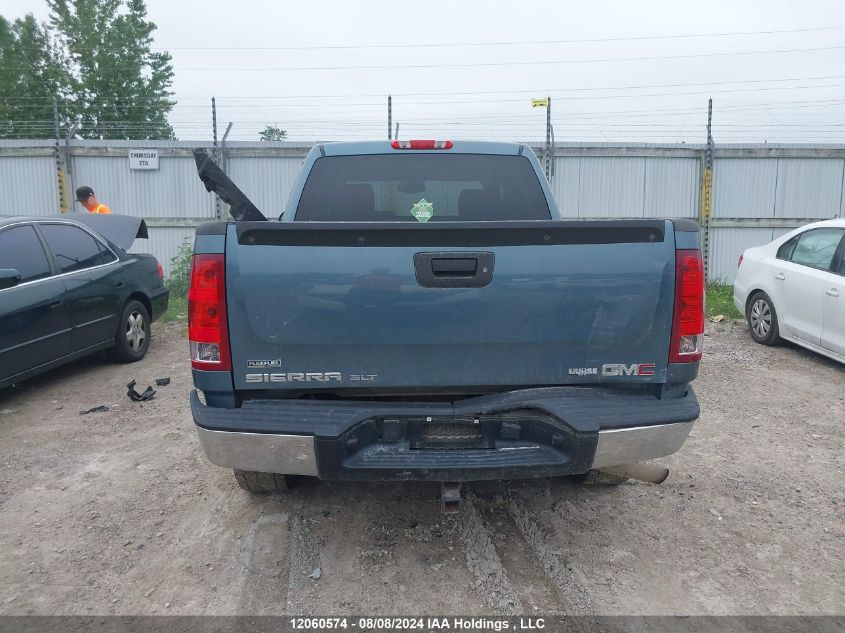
178 282
720 301
177 310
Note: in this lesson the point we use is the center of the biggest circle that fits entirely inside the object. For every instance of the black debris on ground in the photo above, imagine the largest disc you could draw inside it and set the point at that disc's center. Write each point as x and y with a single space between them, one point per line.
147 394
97 409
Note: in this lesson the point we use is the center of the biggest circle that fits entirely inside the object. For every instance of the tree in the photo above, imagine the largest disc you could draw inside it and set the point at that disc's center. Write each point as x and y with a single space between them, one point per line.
273 133
95 57
121 88
32 74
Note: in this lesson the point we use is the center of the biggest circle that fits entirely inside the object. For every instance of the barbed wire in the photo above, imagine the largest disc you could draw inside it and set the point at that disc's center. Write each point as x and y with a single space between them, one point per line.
545 91
621 123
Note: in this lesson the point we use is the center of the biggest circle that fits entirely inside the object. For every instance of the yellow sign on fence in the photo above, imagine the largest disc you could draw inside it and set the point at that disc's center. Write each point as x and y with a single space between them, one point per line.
64 198
540 103
706 194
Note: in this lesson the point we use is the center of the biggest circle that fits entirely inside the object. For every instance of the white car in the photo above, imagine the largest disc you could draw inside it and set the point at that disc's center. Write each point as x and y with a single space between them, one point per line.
794 288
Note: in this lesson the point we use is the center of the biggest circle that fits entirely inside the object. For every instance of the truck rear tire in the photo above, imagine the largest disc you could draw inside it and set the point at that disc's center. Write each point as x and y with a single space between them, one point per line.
261 483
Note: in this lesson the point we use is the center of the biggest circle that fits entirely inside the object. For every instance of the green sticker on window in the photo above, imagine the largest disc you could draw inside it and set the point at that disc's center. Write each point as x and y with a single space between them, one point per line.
422 210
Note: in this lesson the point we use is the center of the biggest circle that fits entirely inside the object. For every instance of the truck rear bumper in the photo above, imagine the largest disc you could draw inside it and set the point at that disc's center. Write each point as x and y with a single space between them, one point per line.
295 454
261 452
529 433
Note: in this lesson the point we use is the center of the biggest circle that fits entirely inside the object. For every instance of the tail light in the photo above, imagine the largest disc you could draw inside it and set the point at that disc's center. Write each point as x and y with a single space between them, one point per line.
688 319
159 270
739 261
208 331
422 145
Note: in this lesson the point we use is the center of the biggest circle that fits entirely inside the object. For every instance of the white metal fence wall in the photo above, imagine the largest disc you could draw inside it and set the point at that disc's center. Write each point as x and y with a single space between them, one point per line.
759 191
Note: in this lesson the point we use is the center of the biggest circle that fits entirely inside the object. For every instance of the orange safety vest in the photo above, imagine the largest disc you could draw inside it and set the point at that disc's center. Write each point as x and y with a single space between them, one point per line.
101 208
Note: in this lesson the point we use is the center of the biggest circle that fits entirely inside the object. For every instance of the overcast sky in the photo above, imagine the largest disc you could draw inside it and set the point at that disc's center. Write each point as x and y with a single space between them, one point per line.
323 70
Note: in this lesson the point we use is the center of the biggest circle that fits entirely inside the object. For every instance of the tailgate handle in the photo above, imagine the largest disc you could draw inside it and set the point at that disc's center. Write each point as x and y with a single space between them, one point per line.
454 266
454 270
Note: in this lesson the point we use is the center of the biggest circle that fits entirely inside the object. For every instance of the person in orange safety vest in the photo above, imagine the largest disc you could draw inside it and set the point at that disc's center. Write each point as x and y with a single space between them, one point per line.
85 196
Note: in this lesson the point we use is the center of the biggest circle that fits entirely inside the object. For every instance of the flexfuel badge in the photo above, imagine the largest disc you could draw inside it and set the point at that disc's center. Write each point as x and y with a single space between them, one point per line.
422 210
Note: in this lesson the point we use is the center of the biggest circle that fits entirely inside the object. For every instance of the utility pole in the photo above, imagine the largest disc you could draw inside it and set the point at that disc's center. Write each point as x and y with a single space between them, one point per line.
396 136
389 115
706 205
549 158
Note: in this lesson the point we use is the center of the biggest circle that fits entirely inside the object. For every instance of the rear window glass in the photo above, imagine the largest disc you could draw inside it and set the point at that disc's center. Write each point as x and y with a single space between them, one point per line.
422 188
108 256
816 248
73 248
787 248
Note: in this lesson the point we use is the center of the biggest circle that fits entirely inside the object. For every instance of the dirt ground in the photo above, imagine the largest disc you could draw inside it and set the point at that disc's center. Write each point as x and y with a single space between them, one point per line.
119 512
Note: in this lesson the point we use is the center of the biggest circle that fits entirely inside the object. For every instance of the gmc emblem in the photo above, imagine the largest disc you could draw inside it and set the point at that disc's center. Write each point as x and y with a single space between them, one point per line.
620 369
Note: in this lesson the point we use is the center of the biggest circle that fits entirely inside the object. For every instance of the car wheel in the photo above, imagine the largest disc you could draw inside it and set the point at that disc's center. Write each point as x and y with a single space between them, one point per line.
133 333
762 319
261 483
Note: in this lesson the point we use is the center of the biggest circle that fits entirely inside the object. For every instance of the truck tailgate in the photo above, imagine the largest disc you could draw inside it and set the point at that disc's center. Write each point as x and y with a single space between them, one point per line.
452 306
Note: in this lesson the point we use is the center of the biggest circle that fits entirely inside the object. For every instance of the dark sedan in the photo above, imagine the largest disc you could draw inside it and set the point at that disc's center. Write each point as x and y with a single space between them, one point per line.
68 288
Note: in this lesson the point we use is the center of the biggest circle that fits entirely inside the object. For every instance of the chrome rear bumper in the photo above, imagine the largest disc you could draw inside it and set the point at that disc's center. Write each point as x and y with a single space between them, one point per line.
260 452
295 454
639 443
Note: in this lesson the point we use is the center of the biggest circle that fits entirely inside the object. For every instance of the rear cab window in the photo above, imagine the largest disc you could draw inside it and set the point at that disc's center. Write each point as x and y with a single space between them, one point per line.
422 188
21 249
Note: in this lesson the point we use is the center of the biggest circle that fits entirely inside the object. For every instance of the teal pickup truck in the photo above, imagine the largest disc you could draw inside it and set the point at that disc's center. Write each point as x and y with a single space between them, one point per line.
420 311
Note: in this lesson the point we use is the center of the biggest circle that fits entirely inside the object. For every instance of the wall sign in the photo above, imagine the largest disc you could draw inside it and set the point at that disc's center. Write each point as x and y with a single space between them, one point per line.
143 159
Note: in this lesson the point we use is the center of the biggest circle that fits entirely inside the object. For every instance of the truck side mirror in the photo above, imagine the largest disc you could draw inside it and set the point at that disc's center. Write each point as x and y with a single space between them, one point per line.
9 277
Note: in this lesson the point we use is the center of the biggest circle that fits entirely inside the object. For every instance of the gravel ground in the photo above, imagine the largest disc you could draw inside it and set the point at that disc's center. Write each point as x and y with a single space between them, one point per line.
118 512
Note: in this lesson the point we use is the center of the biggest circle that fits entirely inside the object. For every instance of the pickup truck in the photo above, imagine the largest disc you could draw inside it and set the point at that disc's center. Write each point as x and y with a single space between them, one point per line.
421 311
